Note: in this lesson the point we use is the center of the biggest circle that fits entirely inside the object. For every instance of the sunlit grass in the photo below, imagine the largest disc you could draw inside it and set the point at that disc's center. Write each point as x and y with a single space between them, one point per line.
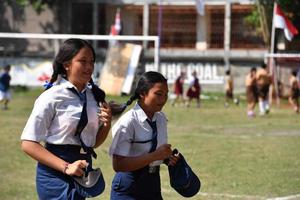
231 153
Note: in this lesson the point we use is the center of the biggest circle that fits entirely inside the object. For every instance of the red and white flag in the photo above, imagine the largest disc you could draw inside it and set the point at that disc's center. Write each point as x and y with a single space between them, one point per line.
200 5
282 22
116 28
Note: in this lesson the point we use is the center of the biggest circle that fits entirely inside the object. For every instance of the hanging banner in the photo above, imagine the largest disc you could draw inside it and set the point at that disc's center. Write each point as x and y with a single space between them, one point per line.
208 73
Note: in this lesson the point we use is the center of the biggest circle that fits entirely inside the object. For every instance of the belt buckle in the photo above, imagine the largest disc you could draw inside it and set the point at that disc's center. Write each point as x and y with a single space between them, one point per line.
152 169
82 151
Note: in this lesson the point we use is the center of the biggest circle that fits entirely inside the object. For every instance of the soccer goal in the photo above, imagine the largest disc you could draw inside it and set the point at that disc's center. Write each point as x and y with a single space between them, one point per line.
34 74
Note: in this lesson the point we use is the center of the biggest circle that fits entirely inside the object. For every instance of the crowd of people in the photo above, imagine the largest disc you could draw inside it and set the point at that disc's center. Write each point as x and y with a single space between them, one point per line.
258 84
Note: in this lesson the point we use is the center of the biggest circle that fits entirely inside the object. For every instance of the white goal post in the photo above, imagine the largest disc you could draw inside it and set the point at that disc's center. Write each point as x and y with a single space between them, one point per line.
155 39
282 55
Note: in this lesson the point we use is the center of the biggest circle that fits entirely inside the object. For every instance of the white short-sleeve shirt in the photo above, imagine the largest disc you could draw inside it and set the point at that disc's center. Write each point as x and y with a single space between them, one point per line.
132 126
55 116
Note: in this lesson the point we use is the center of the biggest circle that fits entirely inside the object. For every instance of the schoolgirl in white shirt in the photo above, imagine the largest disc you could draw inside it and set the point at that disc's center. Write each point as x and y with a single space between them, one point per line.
140 144
54 120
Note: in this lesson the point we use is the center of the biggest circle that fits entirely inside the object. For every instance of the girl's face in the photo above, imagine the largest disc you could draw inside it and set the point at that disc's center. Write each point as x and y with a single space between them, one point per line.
80 68
155 99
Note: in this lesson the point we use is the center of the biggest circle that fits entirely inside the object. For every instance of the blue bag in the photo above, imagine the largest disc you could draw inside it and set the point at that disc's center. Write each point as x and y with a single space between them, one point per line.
182 177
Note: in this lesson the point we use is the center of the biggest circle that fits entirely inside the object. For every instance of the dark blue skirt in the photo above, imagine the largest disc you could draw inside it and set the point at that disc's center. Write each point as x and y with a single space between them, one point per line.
136 185
54 185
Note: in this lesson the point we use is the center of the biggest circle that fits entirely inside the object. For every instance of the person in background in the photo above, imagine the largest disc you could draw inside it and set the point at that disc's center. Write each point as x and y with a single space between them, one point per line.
140 144
251 92
229 89
5 95
71 101
194 90
178 89
294 91
263 82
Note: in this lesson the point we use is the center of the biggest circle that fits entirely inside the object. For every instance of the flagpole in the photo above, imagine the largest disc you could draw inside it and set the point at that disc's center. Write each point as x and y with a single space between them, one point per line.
159 26
273 30
273 67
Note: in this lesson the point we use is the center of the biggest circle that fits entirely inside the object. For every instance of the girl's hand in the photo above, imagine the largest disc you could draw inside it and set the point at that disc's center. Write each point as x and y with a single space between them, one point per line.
76 168
173 160
163 152
105 115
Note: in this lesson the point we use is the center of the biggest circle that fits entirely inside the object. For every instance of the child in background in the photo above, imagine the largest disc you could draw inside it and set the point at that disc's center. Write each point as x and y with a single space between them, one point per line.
229 89
194 90
263 82
251 92
139 143
294 91
5 95
178 89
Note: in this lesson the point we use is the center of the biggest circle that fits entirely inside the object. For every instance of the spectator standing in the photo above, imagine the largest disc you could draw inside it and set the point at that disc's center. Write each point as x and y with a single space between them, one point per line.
5 95
294 91
251 92
178 89
229 96
194 90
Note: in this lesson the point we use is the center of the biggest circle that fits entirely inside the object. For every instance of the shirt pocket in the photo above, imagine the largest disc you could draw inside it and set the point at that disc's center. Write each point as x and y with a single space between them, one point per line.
69 111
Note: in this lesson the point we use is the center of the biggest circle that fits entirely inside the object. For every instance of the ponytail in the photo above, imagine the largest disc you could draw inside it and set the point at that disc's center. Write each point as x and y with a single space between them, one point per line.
145 83
132 98
99 94
118 109
58 69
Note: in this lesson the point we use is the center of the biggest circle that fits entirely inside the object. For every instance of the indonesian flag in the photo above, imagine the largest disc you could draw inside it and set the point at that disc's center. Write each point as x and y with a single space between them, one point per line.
282 22
200 5
116 28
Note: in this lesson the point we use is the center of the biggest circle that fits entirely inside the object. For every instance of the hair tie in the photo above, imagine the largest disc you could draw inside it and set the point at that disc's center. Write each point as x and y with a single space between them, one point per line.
47 85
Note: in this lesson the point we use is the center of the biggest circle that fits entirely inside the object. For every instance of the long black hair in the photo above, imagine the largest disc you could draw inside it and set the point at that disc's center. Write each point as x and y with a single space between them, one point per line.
67 51
145 83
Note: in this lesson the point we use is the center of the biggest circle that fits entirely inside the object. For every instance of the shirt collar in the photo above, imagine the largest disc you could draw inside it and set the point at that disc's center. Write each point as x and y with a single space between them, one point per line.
67 84
141 114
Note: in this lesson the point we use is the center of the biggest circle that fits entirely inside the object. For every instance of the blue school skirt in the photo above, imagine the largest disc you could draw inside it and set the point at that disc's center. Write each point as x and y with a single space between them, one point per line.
52 184
136 185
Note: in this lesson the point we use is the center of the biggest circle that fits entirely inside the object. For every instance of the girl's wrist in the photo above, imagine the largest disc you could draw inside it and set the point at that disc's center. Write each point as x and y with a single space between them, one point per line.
66 167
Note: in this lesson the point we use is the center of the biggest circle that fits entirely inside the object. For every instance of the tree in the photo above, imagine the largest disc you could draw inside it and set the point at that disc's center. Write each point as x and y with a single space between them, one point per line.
38 5
262 15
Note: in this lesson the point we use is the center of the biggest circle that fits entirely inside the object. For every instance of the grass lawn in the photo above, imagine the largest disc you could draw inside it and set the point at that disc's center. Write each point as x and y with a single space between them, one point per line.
234 156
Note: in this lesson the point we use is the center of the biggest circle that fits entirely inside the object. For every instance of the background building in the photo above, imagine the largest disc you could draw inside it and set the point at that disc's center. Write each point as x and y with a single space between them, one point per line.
209 43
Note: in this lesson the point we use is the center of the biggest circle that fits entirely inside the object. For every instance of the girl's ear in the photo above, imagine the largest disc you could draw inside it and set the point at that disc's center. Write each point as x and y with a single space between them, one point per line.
67 65
142 96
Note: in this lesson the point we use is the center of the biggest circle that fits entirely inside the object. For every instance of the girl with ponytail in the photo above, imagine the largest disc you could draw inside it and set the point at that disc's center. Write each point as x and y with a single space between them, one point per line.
66 118
139 143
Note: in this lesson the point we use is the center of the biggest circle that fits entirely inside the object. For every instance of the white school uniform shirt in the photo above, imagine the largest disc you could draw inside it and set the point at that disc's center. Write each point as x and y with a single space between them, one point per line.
55 116
132 126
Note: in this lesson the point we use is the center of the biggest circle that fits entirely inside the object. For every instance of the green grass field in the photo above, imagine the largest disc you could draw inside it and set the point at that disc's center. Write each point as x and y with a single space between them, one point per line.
234 156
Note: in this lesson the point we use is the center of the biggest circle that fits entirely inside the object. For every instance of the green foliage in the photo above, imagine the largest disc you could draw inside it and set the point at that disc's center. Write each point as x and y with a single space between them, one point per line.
38 5
263 13
254 21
